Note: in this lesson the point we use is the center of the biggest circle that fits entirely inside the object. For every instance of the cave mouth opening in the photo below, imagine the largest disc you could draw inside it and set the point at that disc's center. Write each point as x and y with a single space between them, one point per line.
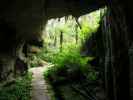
69 49
63 46
20 22
58 33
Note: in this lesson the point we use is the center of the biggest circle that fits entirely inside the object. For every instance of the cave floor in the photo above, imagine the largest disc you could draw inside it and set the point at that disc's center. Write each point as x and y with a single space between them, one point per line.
39 85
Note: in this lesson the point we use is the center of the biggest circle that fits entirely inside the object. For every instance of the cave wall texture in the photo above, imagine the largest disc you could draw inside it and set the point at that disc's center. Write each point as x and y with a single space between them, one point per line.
117 36
115 49
23 20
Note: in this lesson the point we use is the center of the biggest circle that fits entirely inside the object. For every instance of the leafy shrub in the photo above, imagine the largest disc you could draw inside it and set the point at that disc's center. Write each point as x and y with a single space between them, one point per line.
71 71
20 90
69 65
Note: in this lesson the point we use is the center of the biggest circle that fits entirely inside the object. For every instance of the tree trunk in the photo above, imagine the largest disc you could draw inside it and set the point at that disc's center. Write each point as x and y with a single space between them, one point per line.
76 35
61 41
55 41
76 38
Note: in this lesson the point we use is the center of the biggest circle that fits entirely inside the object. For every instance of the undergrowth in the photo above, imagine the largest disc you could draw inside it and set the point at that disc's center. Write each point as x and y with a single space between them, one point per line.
69 64
45 54
70 69
19 90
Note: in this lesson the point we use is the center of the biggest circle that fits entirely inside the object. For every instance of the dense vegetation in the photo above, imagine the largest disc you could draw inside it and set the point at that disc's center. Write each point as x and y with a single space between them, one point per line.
20 89
70 74
65 32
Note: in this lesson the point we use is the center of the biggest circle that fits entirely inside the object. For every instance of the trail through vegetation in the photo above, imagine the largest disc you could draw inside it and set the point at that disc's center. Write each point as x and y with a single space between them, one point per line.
39 86
71 76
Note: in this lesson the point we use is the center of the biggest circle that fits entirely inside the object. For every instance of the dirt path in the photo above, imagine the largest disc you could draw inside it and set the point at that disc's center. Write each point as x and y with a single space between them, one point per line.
39 86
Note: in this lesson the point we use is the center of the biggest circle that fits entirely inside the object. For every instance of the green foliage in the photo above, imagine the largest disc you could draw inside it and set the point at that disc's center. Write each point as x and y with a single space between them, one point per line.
33 61
74 30
20 90
69 65
89 24
70 69
71 56
44 55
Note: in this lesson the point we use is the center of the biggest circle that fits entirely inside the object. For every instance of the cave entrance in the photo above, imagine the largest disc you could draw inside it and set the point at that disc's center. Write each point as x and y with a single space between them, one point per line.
68 56
71 49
